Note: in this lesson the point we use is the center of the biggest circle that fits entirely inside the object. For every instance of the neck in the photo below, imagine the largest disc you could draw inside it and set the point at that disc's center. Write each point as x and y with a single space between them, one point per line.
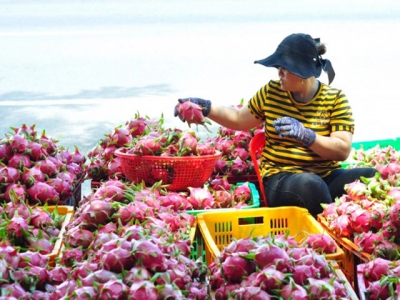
307 90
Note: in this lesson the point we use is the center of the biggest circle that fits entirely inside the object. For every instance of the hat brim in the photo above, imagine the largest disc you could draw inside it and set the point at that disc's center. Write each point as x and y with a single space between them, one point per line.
270 61
276 61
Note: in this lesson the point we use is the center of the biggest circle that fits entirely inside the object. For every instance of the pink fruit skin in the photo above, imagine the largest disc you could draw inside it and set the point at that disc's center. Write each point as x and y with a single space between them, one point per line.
191 112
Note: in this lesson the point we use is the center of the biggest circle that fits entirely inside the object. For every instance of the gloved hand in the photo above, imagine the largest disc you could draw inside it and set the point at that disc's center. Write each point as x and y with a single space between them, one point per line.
290 127
205 105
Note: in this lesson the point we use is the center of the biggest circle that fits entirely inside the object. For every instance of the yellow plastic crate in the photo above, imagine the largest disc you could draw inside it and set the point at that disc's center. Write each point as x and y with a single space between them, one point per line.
192 233
219 228
68 211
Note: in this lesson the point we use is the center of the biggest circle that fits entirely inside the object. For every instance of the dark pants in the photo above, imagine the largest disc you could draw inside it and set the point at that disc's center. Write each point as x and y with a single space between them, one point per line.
309 190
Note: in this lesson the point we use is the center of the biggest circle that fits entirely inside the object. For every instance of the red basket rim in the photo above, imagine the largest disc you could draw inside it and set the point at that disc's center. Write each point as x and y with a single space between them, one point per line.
119 152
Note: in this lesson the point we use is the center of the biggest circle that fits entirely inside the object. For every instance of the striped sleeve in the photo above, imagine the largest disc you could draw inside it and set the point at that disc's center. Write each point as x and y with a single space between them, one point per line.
257 103
342 116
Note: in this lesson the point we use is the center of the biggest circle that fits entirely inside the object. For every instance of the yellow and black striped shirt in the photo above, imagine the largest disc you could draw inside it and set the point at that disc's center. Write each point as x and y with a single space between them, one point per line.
327 112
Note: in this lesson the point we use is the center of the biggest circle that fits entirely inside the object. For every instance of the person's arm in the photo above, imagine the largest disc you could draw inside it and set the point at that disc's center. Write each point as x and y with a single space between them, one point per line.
227 116
234 118
336 147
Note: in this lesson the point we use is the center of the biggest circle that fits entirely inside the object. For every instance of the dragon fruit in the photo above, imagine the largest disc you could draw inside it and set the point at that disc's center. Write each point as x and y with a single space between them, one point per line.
31 175
14 291
223 198
63 187
96 212
320 242
238 167
17 227
367 241
187 144
42 193
20 161
49 143
78 237
41 219
98 277
220 183
137 274
30 258
71 256
40 244
15 192
293 291
48 167
192 113
136 126
386 249
235 267
301 273
221 166
394 212
148 146
241 139
36 151
9 174
200 198
143 290
242 193
357 190
149 254
120 136
85 293
114 168
31 278
113 289
375 269
18 143
320 289
78 157
269 278
5 153
176 273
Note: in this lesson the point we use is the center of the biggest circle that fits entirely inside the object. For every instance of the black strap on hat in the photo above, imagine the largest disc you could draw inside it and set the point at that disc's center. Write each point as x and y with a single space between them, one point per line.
325 63
327 67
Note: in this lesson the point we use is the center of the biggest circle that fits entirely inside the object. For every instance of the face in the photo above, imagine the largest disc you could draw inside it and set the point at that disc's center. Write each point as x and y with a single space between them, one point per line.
289 81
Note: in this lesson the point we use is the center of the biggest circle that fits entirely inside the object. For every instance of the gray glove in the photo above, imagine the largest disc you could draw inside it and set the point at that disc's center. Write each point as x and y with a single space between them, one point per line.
205 105
290 127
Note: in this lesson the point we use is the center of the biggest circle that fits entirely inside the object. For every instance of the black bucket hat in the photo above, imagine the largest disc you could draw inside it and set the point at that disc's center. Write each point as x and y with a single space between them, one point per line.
299 54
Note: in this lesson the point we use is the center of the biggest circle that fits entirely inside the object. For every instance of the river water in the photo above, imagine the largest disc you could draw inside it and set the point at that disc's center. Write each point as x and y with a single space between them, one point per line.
80 68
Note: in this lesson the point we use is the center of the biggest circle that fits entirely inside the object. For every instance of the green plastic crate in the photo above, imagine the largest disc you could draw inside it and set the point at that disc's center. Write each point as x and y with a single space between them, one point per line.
198 250
254 201
366 145
395 143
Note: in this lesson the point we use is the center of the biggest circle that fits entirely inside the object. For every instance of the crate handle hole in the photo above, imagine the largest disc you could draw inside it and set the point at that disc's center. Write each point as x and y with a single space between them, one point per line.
251 221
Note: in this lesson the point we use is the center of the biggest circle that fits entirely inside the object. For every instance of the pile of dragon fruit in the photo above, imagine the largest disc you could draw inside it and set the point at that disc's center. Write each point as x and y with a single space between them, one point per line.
277 266
30 228
145 137
34 168
369 212
379 279
218 194
130 242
